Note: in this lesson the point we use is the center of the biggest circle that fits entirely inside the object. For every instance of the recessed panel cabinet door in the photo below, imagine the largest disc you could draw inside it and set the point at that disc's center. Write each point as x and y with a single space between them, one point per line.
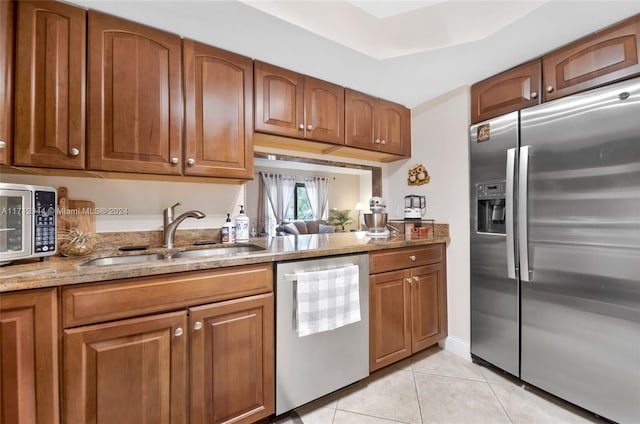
324 111
395 128
127 372
50 85
361 113
506 92
390 319
135 105
428 306
29 357
218 112
232 361
602 58
279 107
7 25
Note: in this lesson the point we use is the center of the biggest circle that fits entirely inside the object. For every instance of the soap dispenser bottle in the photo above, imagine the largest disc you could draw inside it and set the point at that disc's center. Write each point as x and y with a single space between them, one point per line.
228 231
242 226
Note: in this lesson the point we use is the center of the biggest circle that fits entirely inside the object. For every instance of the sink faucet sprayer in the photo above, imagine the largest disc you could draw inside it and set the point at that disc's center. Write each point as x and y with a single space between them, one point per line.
170 225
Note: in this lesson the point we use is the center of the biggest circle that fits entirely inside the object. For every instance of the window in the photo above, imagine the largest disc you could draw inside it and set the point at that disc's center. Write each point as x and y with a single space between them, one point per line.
299 207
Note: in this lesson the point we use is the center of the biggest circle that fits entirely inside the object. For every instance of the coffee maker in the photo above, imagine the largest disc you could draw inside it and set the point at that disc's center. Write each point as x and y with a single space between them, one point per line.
414 206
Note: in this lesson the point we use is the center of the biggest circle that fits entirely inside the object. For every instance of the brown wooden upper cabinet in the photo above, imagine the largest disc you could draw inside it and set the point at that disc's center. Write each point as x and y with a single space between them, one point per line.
376 124
135 97
607 56
218 112
295 105
50 85
509 91
7 25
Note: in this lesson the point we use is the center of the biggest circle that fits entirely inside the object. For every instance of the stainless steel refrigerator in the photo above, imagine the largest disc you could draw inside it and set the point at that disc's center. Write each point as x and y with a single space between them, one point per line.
555 247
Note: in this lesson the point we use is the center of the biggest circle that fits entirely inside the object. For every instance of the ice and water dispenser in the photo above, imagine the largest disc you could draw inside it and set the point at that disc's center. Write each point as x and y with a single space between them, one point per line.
491 207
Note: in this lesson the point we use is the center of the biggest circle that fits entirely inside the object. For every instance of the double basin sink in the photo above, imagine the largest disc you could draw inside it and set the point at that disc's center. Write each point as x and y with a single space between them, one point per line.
214 252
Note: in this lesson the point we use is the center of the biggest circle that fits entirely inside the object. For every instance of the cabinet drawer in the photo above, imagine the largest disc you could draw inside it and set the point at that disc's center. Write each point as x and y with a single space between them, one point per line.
130 297
406 257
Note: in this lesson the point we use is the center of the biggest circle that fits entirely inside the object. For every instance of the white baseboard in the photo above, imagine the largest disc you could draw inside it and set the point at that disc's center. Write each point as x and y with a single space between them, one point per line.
456 346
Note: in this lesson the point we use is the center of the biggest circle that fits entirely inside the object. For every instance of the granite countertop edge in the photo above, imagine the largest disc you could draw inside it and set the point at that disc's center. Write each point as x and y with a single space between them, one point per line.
61 271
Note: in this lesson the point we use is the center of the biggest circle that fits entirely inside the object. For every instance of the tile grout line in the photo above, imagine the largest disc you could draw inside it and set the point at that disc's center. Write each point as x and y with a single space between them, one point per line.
371 416
415 385
499 401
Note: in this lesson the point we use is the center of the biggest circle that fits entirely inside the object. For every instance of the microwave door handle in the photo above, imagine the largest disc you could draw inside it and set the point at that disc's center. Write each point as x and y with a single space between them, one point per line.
523 236
511 248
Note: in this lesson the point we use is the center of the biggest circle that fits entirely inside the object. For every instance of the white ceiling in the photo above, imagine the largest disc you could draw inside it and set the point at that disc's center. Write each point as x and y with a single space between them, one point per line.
404 51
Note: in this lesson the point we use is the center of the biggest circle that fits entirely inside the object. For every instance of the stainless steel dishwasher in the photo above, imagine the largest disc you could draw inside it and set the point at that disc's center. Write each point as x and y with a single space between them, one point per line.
310 367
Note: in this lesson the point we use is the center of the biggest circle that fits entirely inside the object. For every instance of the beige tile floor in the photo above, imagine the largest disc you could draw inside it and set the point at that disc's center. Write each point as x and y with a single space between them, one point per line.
437 387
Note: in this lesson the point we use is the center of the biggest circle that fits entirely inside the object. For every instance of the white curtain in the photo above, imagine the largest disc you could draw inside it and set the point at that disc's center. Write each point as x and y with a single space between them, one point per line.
318 192
277 192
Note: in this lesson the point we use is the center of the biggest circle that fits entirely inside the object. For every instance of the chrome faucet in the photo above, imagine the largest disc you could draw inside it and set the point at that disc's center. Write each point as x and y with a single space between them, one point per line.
170 224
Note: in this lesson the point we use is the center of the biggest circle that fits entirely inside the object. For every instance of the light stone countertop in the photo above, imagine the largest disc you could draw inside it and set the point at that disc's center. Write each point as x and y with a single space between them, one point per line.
59 271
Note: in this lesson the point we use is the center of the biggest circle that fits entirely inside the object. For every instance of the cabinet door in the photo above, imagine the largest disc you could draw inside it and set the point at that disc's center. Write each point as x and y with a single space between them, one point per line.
395 128
279 107
50 85
232 361
7 26
29 357
604 57
218 112
360 120
127 372
324 111
135 105
389 318
506 92
428 306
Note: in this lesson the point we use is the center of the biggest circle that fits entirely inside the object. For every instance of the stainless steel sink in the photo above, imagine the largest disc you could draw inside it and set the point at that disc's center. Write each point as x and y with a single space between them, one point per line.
121 260
217 251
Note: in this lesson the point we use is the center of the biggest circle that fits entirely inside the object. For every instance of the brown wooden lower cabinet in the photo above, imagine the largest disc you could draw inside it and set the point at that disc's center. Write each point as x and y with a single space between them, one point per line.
408 306
194 347
127 372
232 361
29 357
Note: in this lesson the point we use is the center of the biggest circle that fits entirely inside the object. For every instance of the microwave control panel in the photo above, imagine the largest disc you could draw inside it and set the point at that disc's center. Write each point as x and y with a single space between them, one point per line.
45 221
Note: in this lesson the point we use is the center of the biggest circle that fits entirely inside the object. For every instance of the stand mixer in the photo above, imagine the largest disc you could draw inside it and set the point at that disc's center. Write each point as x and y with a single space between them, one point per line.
376 221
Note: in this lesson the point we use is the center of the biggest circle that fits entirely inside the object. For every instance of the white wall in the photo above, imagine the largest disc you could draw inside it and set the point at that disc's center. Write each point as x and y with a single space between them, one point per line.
145 200
440 142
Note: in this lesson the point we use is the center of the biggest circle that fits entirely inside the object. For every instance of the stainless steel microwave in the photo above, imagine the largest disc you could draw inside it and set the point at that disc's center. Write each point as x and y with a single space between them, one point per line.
27 222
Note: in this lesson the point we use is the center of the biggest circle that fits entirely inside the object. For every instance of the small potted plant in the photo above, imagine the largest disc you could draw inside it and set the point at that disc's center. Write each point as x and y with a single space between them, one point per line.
76 242
340 218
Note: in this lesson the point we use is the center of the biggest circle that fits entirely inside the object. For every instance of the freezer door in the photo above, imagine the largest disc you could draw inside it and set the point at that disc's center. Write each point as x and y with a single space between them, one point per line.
494 295
581 305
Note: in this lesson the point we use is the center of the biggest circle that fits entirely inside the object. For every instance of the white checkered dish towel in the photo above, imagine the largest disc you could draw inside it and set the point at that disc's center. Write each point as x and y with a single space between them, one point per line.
327 299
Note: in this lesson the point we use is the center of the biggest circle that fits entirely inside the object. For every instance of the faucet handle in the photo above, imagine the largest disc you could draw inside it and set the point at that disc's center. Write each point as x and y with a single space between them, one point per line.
168 213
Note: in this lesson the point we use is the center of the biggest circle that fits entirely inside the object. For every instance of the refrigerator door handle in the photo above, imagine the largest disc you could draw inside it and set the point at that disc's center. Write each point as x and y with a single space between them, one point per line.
511 248
523 193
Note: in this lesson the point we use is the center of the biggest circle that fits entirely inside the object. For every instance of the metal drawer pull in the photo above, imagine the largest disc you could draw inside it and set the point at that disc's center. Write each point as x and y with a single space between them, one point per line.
412 257
179 332
197 325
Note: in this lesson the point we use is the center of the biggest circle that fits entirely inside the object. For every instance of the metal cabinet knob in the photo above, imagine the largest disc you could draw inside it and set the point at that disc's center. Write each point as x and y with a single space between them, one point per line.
74 152
416 278
383 142
309 127
197 325
534 94
549 88
174 161
377 141
301 126
179 332
3 144
409 280
413 258
191 161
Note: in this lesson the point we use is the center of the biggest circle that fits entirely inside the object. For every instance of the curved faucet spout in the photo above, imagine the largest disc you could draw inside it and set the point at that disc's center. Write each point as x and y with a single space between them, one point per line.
171 224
